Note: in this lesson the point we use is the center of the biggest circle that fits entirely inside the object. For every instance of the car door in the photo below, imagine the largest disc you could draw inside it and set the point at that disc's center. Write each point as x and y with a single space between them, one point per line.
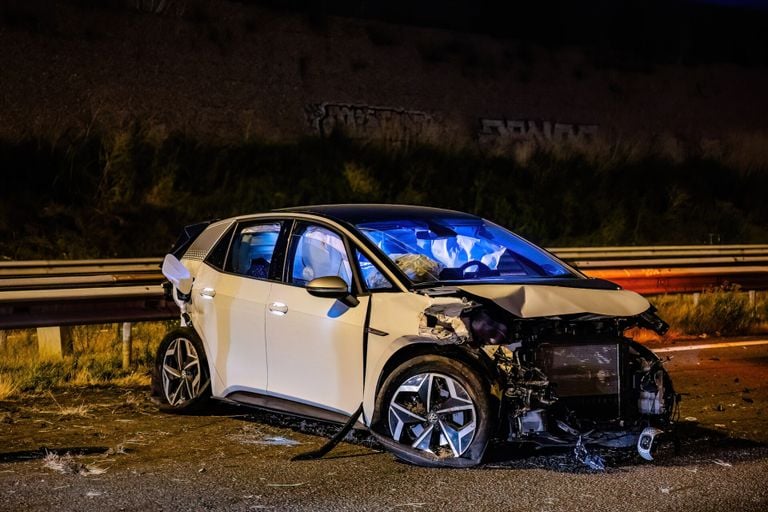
233 301
314 344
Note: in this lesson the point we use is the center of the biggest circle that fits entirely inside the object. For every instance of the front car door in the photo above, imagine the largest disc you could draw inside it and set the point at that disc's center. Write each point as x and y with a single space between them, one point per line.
315 345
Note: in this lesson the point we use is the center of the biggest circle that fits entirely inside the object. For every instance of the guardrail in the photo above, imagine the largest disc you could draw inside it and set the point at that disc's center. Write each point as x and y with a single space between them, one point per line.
55 293
658 270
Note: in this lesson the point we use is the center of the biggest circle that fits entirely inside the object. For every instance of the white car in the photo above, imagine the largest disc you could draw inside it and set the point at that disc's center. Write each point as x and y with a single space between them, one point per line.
446 332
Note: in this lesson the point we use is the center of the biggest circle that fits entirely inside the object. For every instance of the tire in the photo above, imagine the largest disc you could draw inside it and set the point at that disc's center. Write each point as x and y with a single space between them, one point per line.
435 411
180 380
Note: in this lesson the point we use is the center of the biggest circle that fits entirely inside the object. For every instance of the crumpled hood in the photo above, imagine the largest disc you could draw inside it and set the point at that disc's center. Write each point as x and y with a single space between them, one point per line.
534 300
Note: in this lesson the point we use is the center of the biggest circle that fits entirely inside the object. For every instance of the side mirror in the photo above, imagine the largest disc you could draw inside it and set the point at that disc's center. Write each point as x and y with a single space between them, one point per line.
332 287
177 274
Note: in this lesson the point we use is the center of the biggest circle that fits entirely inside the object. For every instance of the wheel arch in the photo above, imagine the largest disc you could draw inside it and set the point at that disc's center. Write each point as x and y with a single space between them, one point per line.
475 359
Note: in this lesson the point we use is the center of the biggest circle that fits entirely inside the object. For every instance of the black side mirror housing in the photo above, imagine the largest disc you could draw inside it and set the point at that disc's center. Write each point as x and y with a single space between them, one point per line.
332 287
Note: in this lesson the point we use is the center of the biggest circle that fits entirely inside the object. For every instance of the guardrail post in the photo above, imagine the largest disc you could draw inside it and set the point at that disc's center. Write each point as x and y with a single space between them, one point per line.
127 345
54 342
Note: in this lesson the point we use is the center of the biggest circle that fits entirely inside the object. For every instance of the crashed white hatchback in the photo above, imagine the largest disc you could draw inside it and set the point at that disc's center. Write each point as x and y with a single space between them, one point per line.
439 331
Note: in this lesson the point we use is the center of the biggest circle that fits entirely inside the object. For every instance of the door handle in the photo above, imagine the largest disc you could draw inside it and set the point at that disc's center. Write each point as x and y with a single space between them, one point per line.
208 292
278 308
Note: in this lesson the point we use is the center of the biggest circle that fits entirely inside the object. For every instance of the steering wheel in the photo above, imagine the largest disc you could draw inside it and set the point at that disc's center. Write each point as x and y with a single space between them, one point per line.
482 269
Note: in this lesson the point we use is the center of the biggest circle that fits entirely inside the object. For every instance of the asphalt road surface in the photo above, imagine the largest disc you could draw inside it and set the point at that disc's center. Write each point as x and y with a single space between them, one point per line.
108 449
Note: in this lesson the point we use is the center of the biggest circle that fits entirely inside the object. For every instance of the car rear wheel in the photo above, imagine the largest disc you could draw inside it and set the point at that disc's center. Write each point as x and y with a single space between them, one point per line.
180 381
435 411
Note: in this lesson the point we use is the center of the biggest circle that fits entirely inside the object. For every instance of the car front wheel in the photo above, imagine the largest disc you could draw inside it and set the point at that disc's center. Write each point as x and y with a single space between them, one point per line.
435 411
180 381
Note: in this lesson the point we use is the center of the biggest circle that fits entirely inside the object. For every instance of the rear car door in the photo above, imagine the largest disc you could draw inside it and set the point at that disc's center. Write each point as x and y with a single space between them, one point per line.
233 299
314 344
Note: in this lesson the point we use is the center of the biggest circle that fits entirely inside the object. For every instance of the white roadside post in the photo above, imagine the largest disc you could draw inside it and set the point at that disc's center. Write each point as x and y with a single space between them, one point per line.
54 342
127 345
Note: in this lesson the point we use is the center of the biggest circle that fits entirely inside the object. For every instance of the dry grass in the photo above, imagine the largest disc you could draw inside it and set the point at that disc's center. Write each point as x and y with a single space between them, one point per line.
133 380
96 359
67 465
722 311
8 387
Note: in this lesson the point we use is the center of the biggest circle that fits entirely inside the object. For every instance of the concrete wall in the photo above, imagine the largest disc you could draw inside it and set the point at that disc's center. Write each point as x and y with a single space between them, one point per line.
235 72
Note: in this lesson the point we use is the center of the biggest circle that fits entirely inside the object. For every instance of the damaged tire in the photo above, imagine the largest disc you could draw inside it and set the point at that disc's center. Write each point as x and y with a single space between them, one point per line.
180 380
435 411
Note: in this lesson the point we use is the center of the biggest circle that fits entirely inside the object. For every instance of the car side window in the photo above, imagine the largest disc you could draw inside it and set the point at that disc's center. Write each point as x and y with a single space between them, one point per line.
373 277
252 249
317 252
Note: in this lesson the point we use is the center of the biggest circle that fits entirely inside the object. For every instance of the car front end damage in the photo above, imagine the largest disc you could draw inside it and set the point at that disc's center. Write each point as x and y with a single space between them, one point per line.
564 373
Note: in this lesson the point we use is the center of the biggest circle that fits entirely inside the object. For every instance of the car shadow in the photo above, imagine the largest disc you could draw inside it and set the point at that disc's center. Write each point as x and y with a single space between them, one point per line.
689 444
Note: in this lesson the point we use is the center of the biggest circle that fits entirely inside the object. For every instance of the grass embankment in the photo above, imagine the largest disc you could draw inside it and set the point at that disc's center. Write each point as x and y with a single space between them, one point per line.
129 193
95 360
717 312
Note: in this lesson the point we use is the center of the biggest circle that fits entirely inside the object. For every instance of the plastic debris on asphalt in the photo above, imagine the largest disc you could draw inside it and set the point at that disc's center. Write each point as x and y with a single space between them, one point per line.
595 462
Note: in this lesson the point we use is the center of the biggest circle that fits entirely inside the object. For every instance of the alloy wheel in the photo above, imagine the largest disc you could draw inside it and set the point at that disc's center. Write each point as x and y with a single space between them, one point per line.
432 412
181 372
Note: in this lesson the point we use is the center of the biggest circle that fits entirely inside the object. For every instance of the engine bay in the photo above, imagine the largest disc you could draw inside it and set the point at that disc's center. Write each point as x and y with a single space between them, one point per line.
565 380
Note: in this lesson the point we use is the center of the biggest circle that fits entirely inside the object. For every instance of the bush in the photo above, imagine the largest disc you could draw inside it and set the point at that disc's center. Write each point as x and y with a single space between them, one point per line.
721 311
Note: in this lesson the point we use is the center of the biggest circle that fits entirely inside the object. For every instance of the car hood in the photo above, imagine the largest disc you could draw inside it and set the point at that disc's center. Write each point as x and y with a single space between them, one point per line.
533 300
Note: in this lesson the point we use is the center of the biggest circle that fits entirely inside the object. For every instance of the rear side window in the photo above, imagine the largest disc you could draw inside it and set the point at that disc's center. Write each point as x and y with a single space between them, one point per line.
252 249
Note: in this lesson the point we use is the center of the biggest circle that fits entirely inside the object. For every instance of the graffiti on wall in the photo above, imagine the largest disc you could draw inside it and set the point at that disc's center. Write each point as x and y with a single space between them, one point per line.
493 130
363 121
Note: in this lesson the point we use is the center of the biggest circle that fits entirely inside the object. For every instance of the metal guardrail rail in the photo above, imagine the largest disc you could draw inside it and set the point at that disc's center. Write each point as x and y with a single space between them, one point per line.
57 293
53 293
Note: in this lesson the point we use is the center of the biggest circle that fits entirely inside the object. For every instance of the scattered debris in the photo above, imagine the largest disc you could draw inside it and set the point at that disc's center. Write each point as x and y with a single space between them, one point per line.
251 435
720 425
595 462
67 465
93 494
720 462
277 441
720 407
691 418
665 490
287 485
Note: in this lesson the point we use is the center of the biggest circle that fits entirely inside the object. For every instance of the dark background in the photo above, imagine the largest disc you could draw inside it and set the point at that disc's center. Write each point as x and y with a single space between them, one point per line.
122 121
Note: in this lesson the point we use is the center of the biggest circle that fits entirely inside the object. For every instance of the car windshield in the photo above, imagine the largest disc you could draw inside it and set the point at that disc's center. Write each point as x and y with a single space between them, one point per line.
461 249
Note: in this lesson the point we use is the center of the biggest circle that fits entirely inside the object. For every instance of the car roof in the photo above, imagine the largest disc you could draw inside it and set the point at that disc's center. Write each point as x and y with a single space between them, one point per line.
361 213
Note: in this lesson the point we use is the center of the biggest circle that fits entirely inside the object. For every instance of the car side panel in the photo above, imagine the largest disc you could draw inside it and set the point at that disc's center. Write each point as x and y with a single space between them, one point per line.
397 315
231 324
315 349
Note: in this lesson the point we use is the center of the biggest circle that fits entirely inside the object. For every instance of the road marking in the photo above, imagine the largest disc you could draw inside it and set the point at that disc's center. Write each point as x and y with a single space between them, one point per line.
712 345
